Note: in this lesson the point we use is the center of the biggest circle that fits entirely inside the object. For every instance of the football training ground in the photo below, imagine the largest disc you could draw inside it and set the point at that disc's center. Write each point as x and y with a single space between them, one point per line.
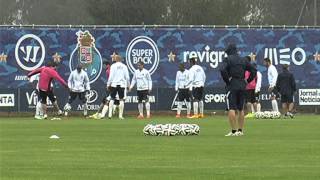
117 149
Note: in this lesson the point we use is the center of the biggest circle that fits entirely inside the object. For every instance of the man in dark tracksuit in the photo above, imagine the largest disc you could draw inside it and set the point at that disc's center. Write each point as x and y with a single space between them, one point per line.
286 86
233 73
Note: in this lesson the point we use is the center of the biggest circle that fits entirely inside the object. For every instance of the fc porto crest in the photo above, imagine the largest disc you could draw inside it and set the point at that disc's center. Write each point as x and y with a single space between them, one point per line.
86 54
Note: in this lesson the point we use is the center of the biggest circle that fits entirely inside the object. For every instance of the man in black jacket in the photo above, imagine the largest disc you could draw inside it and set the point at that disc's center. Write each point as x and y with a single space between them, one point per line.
286 86
233 73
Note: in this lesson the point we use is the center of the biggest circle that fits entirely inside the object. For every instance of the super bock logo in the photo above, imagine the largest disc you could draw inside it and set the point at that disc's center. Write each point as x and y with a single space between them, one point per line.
86 54
142 48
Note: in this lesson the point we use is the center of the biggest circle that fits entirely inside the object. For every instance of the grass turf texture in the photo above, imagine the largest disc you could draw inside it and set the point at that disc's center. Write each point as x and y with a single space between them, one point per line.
117 149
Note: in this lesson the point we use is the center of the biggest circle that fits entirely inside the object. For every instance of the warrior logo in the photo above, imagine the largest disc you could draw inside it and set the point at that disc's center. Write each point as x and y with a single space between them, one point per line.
29 52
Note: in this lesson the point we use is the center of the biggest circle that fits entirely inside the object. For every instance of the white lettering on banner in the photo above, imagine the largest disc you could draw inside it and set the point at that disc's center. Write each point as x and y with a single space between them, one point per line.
309 96
91 107
143 48
21 78
212 57
6 100
281 56
32 100
134 99
217 98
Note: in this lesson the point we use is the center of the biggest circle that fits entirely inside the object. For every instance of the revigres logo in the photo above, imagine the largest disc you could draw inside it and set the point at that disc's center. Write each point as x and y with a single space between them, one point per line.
30 52
142 48
212 57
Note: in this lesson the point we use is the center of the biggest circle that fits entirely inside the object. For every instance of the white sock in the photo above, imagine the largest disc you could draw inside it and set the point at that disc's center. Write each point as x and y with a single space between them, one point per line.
148 108
85 109
38 108
201 107
179 107
121 107
110 107
104 111
258 107
140 108
188 108
195 108
252 108
275 105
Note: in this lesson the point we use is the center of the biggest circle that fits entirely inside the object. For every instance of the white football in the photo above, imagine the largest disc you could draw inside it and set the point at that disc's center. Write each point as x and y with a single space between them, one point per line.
67 107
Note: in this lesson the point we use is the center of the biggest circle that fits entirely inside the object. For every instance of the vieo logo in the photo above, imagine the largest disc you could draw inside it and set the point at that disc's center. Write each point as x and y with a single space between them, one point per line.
142 48
27 50
92 96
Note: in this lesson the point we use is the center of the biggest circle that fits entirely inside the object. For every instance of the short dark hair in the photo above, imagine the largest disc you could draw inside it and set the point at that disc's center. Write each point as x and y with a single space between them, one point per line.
52 64
106 62
248 58
192 60
267 60
141 63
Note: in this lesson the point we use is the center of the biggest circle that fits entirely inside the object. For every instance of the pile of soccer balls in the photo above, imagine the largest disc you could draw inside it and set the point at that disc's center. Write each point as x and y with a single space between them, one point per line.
171 130
268 115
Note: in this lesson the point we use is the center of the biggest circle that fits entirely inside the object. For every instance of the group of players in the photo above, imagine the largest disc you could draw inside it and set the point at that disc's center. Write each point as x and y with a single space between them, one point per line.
243 84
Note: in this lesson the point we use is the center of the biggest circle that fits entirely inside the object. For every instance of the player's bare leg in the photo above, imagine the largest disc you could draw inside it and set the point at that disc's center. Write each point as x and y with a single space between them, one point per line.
232 122
274 104
148 109
240 123
140 109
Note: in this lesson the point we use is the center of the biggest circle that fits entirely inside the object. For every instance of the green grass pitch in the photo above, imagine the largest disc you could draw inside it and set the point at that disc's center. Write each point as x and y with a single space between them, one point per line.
117 149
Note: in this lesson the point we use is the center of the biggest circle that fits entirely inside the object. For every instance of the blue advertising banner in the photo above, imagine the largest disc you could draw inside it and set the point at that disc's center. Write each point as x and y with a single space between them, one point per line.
161 49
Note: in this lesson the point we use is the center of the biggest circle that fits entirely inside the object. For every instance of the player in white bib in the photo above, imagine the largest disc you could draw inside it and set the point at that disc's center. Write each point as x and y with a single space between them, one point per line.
197 80
183 89
142 77
118 80
272 79
78 83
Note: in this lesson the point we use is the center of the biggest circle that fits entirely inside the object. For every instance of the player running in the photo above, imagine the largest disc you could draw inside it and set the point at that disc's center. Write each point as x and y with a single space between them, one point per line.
142 77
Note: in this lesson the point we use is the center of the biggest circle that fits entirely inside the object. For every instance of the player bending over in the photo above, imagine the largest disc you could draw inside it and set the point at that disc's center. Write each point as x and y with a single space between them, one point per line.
47 74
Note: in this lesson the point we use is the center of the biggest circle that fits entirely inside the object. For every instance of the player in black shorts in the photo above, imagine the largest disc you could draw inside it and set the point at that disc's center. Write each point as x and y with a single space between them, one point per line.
184 92
286 86
233 73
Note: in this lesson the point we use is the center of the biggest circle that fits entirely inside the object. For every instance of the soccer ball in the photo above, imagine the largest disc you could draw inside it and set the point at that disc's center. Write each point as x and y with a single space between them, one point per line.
146 129
266 114
67 107
259 115
275 115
